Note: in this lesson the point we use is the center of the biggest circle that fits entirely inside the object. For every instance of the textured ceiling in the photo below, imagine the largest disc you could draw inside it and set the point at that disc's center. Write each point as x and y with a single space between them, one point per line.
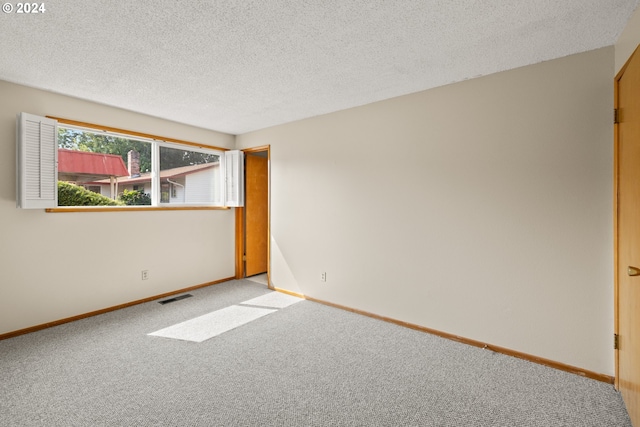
237 66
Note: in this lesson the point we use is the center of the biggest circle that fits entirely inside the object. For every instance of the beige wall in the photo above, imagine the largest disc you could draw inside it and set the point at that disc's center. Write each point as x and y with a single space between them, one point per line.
628 40
54 266
481 209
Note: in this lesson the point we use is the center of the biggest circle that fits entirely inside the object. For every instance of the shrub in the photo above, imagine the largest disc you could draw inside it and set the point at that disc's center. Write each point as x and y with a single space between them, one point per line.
74 195
135 197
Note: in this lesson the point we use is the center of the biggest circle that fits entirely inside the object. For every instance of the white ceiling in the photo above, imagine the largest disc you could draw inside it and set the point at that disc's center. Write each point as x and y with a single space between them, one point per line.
237 66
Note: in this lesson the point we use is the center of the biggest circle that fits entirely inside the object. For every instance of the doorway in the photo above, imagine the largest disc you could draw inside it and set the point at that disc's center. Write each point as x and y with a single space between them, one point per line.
252 220
627 235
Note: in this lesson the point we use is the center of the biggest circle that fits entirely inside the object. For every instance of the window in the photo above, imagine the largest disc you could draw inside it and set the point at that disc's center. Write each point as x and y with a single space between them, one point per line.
94 188
101 167
103 163
189 175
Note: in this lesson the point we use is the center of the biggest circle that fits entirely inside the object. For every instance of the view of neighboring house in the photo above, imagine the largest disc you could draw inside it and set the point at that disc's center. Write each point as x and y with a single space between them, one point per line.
107 174
186 184
84 167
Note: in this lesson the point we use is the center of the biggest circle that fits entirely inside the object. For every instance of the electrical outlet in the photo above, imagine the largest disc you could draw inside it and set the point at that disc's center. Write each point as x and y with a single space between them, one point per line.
323 277
145 274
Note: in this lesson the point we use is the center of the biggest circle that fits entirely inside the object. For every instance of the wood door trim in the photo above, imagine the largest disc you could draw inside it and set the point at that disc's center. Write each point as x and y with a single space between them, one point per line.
239 243
266 148
240 230
616 143
616 213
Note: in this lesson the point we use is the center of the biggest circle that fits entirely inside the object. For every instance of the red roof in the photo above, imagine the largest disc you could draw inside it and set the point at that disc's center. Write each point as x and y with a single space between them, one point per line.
84 162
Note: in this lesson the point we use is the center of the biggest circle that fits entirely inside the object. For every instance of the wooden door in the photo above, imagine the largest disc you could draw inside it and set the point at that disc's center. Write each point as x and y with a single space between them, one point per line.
256 214
628 236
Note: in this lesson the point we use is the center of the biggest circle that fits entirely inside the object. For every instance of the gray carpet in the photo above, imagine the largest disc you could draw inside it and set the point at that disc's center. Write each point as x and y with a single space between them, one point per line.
304 365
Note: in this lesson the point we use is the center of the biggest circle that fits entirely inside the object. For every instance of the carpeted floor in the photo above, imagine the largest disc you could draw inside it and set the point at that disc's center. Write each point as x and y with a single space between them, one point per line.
304 365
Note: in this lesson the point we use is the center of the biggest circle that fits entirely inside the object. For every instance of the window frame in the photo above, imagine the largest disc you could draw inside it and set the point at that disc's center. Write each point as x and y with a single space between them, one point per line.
156 142
156 172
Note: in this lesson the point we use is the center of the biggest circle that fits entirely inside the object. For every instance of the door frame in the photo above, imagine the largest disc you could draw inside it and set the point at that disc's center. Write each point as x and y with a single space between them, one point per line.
616 230
240 226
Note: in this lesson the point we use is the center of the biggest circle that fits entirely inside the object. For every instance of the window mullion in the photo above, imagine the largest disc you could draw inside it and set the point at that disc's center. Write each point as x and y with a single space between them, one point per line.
155 174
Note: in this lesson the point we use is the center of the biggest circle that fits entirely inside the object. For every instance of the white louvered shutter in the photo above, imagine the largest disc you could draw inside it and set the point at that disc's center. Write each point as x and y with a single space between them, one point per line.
234 178
37 162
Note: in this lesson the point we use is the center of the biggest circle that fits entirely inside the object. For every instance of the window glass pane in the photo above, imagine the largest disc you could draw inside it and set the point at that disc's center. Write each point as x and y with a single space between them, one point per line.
96 168
189 176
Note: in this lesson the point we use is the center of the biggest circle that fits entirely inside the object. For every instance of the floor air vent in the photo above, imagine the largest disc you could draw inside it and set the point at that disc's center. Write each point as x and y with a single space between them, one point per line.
167 301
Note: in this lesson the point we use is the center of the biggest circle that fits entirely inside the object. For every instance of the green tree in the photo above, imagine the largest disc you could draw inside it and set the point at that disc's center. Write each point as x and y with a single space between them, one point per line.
135 197
174 157
73 139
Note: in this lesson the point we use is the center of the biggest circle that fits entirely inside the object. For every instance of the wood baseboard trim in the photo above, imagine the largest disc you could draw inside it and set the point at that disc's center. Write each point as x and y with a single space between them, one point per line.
513 353
106 310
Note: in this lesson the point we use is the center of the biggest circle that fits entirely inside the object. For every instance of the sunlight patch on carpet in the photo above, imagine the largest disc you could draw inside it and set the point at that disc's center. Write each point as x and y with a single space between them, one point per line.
209 325
274 300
